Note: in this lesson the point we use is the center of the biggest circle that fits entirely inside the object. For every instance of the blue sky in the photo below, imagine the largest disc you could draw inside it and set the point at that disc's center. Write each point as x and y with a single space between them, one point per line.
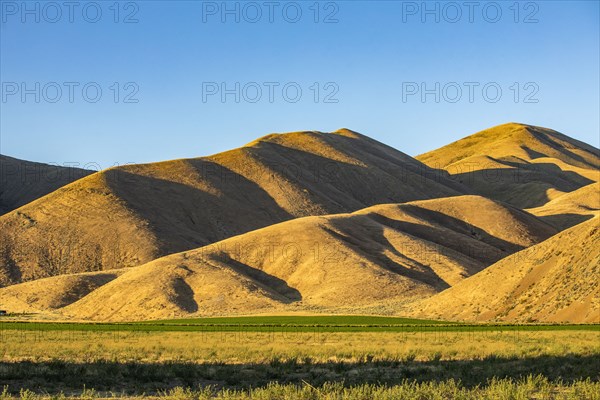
363 59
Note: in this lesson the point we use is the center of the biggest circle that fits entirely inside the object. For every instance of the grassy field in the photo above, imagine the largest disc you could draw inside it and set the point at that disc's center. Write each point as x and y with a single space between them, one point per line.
311 360
316 320
536 387
318 323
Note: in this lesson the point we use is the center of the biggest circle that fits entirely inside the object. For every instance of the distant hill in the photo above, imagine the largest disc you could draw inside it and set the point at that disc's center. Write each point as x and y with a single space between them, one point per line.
132 214
22 182
572 208
523 165
376 257
557 280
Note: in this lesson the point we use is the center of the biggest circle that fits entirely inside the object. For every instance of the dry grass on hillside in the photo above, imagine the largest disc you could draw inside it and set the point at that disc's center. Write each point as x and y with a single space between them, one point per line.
377 256
572 208
523 165
22 182
557 280
318 222
52 293
132 214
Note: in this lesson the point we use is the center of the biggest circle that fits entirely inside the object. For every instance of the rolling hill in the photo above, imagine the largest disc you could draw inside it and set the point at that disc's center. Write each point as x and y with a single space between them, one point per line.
373 258
48 294
132 214
572 208
557 280
523 165
22 181
319 222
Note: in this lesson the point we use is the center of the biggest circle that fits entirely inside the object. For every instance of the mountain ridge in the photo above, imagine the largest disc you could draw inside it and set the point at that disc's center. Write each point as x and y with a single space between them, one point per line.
22 182
317 222
524 165
131 214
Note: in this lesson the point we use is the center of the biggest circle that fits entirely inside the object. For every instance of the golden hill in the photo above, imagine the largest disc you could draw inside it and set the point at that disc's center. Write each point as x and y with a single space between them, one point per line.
376 257
523 165
21 181
572 208
48 294
132 214
557 280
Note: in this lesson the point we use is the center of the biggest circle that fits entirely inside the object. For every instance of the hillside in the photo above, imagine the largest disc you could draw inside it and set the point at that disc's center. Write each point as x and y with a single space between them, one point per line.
554 281
376 257
572 208
22 181
52 293
523 165
132 214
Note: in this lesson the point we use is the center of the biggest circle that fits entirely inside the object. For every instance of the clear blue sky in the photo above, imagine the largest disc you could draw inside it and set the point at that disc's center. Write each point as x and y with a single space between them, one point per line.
369 54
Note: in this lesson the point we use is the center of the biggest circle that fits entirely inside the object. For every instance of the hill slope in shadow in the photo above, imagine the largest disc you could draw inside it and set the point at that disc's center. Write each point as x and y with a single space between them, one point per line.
571 208
132 214
22 181
375 258
523 165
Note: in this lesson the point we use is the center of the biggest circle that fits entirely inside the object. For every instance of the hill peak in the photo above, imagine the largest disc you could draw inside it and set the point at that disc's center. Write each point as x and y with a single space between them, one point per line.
524 165
280 137
149 210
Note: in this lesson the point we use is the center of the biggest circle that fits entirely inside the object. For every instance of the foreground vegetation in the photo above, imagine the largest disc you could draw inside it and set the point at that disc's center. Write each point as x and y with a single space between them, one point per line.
527 388
235 347
302 364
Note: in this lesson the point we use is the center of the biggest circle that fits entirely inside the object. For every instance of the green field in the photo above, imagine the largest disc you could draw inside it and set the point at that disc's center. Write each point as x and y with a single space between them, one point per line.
299 358
314 320
325 323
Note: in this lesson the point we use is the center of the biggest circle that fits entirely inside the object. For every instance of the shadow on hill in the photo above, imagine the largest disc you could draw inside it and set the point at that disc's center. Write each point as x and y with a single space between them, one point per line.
565 181
84 286
22 182
451 233
51 377
277 287
374 251
555 174
440 234
567 220
445 222
381 152
547 136
385 177
184 217
532 153
184 296
522 185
